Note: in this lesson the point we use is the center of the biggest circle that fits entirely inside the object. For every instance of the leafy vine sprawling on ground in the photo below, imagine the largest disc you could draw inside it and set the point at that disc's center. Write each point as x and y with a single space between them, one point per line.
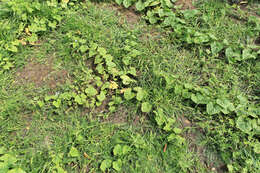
222 100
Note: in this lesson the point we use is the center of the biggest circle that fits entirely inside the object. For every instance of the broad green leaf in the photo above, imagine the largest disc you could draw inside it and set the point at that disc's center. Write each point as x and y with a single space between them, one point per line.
140 5
190 13
127 3
247 54
108 58
126 79
92 53
160 117
126 60
178 89
177 130
105 164
140 94
216 47
226 104
78 100
119 2
186 94
169 124
117 165
146 107
2 150
232 55
243 125
128 94
16 170
57 103
213 108
83 48
91 91
168 3
102 96
257 148
102 51
100 69
171 137
74 152
199 98
8 159
118 150
126 149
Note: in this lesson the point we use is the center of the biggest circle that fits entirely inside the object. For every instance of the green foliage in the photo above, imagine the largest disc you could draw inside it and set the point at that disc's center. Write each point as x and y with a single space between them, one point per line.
8 162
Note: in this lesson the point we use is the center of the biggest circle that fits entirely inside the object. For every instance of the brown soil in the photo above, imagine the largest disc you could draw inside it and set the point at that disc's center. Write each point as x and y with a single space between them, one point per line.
41 74
186 4
192 135
119 117
129 14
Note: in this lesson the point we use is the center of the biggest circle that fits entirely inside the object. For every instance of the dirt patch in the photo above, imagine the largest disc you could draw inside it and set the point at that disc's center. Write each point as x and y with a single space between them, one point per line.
129 14
207 158
119 117
41 74
152 34
185 4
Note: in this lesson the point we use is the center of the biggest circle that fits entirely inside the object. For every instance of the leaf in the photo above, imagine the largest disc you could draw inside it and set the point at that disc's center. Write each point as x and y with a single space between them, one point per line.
117 165
140 94
226 104
146 107
126 60
178 89
216 47
257 148
105 164
16 170
2 150
113 85
119 2
91 91
190 13
160 117
126 79
168 3
74 152
56 103
117 151
177 130
102 51
247 54
8 159
78 100
213 108
128 94
126 149
140 5
100 69
83 48
127 3
40 103
232 55
243 125
101 96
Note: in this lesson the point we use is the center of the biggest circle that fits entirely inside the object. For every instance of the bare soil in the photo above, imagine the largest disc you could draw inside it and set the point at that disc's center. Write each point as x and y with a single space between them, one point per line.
41 74
206 157
129 14
186 4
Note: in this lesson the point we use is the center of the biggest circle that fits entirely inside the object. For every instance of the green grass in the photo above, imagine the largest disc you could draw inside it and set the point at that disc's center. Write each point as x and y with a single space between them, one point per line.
51 124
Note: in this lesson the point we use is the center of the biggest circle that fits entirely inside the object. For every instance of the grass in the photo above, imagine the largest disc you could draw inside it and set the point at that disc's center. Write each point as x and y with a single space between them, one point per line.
48 122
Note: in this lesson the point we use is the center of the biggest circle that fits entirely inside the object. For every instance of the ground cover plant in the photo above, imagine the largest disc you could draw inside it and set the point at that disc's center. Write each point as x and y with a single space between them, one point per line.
129 86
